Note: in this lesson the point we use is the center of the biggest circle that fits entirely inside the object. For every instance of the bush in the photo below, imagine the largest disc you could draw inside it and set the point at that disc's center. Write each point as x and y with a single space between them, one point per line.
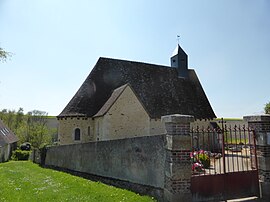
19 155
205 160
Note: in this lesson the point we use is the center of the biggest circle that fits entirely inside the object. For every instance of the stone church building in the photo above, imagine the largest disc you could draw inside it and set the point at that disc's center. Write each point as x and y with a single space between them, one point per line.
121 99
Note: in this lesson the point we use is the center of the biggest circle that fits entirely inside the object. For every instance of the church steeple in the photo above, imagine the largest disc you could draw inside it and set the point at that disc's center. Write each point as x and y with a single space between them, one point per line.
179 60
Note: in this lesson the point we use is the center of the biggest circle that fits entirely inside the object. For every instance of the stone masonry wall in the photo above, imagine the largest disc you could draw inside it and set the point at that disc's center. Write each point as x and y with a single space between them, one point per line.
177 162
261 125
67 126
137 160
125 119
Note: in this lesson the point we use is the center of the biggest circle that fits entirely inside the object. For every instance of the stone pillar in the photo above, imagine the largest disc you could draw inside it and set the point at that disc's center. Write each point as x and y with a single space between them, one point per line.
177 162
261 124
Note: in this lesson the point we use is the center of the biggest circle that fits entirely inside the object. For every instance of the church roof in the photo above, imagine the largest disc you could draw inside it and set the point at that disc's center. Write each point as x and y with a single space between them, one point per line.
159 89
6 135
178 50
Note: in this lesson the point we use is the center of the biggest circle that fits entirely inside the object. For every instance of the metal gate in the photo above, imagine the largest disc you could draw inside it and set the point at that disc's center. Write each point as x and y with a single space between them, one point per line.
224 163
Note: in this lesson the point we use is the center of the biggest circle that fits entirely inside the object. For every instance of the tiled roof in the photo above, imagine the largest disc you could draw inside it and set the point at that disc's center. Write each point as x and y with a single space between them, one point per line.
159 89
6 135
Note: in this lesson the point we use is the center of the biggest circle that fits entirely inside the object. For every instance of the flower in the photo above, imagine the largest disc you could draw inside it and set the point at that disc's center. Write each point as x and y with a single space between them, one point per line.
200 160
197 167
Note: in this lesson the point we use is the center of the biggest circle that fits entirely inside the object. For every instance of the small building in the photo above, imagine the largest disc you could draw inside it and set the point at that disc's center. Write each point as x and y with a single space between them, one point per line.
8 142
121 99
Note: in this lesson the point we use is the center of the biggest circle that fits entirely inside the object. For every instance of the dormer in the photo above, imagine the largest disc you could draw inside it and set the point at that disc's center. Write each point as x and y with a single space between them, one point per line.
179 60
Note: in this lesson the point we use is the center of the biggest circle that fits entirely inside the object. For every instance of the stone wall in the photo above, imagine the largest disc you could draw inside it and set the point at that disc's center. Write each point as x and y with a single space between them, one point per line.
137 160
156 127
4 153
126 118
177 164
261 125
156 165
67 126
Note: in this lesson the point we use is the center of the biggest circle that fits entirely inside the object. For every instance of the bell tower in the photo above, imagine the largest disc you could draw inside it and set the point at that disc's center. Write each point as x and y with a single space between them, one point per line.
179 60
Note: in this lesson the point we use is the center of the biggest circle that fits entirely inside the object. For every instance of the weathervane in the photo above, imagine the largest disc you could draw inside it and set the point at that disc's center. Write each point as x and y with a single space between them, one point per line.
178 39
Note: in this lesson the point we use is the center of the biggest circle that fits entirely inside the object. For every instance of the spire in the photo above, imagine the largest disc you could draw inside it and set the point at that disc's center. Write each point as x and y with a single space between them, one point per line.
179 60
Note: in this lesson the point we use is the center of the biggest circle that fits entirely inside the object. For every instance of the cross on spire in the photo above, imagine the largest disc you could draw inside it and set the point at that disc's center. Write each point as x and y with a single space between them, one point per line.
178 38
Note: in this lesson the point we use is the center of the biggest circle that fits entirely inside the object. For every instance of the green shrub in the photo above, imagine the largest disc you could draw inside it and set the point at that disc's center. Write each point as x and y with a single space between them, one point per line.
19 155
204 158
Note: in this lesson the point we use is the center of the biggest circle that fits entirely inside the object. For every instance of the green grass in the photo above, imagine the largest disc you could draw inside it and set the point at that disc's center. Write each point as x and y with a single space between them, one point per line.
26 181
51 117
229 119
236 141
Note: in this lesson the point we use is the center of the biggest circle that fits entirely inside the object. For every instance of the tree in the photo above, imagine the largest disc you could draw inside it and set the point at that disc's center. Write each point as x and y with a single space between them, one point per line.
19 120
37 130
267 108
31 127
4 55
8 117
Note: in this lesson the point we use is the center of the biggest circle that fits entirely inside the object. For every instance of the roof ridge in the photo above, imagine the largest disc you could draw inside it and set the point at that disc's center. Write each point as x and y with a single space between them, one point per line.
133 61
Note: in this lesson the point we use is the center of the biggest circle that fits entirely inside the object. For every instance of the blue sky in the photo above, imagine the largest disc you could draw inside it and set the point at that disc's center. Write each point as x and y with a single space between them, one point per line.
57 43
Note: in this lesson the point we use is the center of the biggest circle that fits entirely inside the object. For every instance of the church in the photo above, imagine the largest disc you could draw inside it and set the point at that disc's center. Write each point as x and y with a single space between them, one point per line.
123 99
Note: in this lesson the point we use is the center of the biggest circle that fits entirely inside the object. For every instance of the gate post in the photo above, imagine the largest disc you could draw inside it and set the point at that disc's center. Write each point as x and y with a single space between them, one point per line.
261 124
177 160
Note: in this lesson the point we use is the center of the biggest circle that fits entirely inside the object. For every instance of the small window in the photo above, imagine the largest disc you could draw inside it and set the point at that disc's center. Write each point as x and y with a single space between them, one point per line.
77 134
2 131
173 60
88 131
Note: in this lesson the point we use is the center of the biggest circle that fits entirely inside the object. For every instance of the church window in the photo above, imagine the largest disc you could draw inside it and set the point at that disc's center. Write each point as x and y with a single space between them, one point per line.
77 134
88 130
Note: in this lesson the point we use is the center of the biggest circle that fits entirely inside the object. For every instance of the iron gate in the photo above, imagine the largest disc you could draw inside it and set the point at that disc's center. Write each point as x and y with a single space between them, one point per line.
224 162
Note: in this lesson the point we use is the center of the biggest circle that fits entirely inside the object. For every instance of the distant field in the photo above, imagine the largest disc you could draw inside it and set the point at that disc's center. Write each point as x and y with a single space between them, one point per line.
51 117
25 181
229 119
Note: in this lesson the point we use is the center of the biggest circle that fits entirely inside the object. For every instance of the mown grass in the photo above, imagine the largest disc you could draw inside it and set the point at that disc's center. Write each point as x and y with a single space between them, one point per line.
25 181
236 141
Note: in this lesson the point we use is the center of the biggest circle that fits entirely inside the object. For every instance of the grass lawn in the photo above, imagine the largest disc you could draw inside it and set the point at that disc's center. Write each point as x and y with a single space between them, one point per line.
26 181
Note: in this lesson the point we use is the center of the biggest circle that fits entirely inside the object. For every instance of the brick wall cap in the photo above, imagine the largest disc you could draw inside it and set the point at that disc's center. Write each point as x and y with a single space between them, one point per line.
257 118
177 118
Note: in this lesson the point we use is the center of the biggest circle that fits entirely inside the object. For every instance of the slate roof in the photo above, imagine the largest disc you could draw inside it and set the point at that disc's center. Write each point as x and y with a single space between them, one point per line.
6 135
178 50
159 89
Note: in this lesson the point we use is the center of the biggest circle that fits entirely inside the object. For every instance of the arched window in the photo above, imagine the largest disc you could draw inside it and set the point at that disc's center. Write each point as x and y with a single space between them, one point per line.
77 134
